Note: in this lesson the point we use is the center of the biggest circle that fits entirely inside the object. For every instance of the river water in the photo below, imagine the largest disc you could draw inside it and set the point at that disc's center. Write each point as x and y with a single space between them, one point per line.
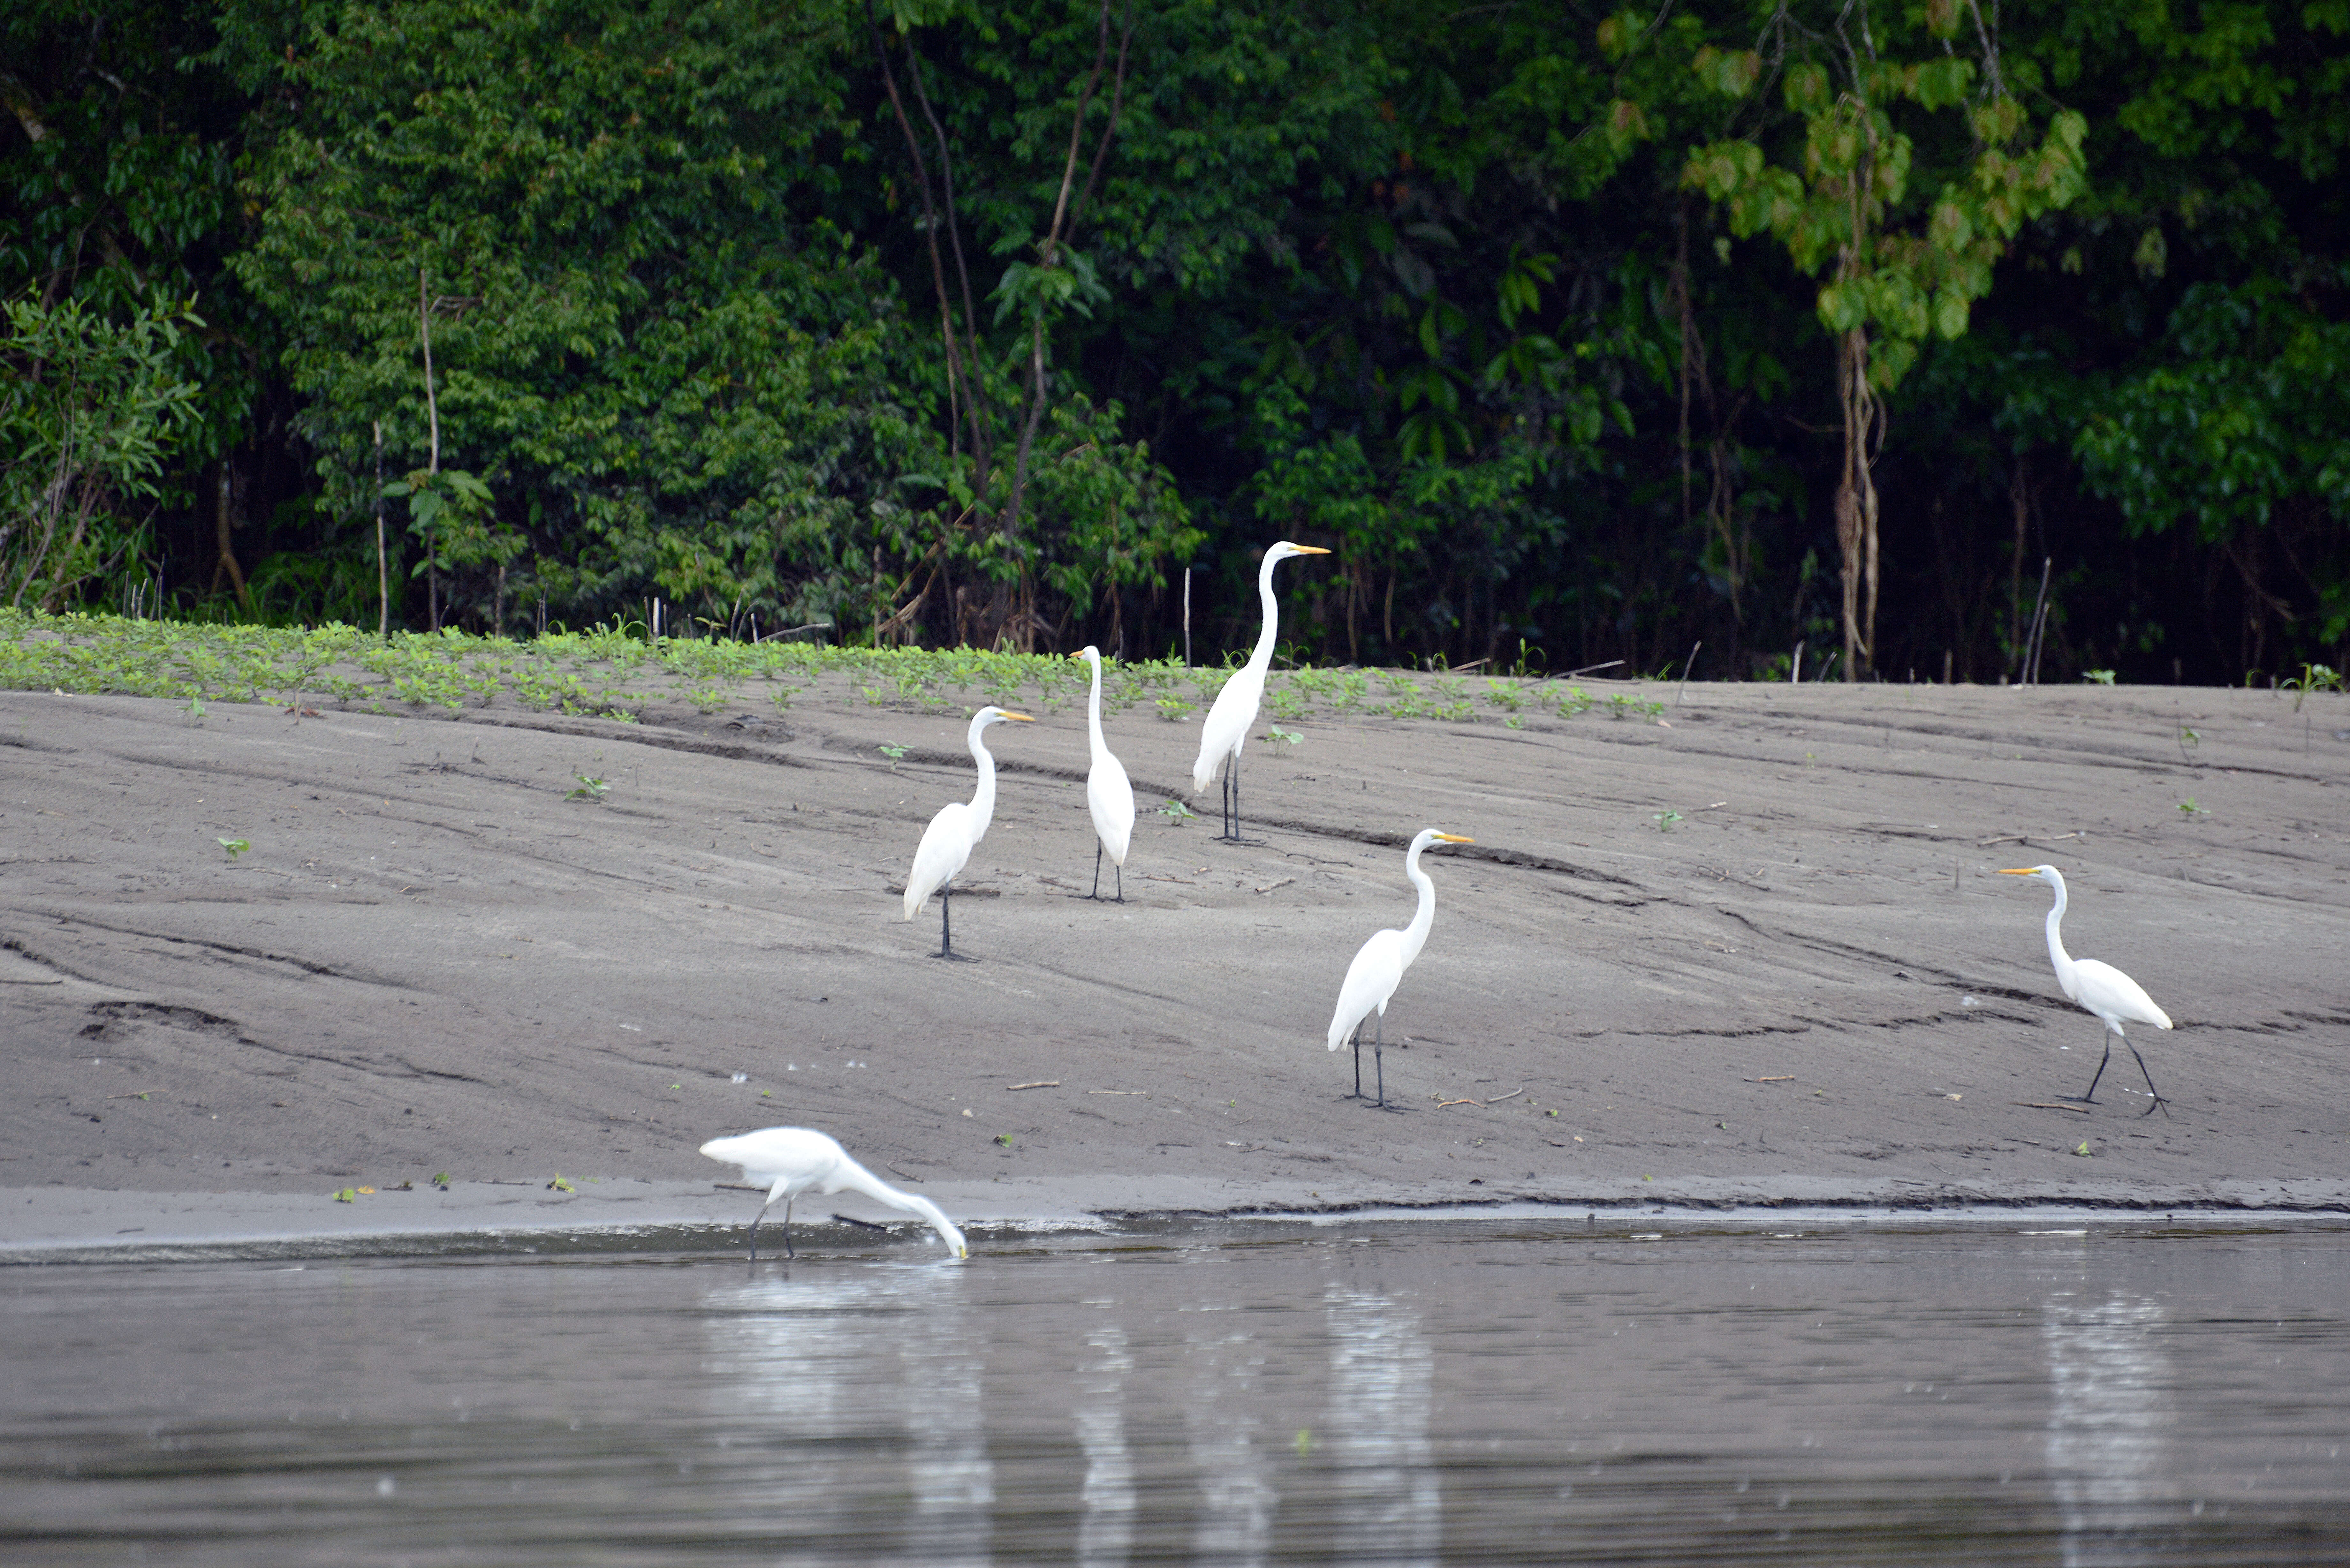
1394 1391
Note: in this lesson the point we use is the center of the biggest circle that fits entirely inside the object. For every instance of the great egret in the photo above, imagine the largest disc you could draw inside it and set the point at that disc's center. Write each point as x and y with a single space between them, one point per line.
2113 996
1225 733
793 1161
1109 796
954 833
1378 969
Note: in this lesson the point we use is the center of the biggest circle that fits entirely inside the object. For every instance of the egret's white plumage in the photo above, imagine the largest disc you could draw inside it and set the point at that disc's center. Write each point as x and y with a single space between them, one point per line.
1379 964
1225 733
956 831
789 1161
1109 796
2100 987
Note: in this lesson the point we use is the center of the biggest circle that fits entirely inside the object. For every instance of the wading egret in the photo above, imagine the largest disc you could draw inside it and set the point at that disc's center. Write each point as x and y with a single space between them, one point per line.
1378 969
2101 988
954 833
1224 736
791 1160
1109 796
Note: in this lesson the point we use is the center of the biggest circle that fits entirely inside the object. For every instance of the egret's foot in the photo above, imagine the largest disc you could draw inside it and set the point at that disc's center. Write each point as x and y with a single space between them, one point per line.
1234 839
1384 1106
956 957
2161 1100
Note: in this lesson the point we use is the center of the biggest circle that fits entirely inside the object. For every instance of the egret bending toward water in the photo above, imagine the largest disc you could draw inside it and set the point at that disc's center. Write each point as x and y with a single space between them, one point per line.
1378 969
954 833
1225 733
2113 996
1109 796
793 1161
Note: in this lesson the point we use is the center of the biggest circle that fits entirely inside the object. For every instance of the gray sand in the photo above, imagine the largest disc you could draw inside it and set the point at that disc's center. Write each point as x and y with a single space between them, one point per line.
1809 990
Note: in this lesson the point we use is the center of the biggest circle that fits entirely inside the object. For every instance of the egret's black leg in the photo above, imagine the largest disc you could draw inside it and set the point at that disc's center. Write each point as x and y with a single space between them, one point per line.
762 1214
1358 1061
1097 855
1379 1057
1121 883
2150 1089
946 925
2091 1098
787 1229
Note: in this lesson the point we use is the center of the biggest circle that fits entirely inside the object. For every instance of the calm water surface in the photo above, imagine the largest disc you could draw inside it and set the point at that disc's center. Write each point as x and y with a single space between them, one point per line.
1404 1392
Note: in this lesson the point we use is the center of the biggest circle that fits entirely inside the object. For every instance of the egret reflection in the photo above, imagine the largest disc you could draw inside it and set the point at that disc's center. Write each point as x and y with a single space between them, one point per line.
1382 1373
800 1363
1106 1527
2107 1426
1237 1496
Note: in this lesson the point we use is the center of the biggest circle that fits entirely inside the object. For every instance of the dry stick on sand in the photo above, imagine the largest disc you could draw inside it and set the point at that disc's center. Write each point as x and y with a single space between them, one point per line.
1782 1078
1039 1084
2047 1105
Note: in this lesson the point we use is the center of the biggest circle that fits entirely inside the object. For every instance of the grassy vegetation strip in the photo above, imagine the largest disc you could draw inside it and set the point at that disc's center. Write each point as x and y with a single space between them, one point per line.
614 672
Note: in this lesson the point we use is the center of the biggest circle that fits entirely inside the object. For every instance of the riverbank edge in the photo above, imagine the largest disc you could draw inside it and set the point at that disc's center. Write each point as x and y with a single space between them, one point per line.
485 1219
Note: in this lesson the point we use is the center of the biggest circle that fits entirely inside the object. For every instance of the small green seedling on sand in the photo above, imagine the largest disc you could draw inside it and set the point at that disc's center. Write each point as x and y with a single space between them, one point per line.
2098 677
235 846
2082 1150
1004 1138
893 753
441 1179
1275 735
347 1195
2188 808
589 788
196 708
559 1185
1664 820
1175 810
1174 710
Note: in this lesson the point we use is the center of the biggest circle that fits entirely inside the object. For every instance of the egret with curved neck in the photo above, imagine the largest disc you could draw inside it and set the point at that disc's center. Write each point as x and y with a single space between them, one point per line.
1109 796
789 1161
2101 988
955 832
1378 969
1225 733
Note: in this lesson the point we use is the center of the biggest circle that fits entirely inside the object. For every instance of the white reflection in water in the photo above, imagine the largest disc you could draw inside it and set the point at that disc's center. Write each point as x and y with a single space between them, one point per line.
1237 1496
1106 1530
2106 1424
803 1370
1381 1374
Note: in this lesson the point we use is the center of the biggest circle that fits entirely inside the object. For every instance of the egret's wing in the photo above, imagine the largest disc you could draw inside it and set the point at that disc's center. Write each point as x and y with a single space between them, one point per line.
2105 990
1371 979
1228 722
1110 798
946 844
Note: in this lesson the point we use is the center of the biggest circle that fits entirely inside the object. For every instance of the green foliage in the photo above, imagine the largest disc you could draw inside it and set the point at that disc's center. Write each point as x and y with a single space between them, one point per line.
90 413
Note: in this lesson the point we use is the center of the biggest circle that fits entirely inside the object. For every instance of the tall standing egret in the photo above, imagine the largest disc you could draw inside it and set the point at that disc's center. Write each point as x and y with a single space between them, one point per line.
1378 969
954 833
1225 733
789 1161
1109 796
2113 996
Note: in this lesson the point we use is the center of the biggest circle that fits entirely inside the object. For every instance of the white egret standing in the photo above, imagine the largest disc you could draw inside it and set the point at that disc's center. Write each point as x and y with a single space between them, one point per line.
2113 996
954 833
1109 796
1225 733
1378 969
789 1161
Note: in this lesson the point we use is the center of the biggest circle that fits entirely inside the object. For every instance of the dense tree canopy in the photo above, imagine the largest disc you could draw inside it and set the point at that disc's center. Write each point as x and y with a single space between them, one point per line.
1578 335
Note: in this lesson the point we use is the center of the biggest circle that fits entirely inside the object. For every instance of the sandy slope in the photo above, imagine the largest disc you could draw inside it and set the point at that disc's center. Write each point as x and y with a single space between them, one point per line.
1809 989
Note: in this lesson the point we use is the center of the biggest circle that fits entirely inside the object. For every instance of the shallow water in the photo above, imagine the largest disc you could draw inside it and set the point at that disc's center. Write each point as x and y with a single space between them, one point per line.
1392 1391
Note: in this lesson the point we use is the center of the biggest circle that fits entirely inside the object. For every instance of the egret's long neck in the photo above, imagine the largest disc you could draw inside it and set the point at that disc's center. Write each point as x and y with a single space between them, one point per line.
1093 711
1262 658
2056 953
983 800
1423 917
856 1177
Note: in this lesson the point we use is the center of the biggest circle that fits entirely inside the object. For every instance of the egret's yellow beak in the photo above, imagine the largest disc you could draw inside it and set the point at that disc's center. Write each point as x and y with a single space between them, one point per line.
1020 718
1452 838
1309 549
1078 657
2026 872
963 1252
